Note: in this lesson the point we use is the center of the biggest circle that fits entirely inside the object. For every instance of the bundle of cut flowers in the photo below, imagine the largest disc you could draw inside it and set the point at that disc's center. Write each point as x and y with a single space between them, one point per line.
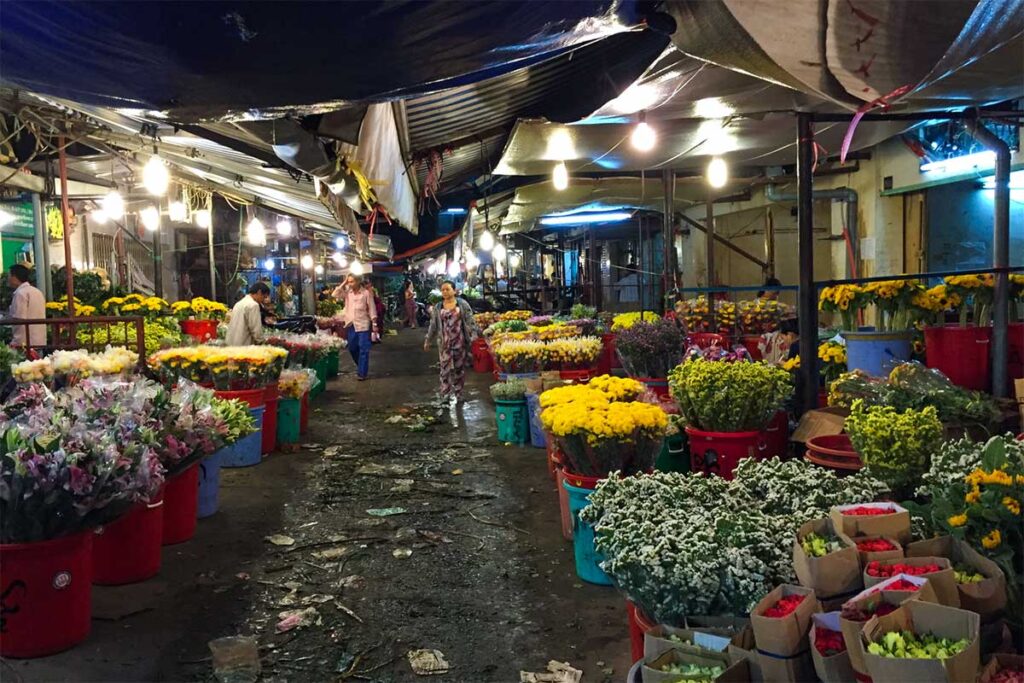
650 349
696 314
237 418
784 606
729 397
511 390
971 294
515 315
77 364
520 356
685 545
760 316
32 371
221 367
556 331
304 349
624 321
539 320
908 645
296 383
579 353
725 317
582 311
505 326
894 445
828 642
833 360
136 304
159 332
717 353
199 308
485 320
586 326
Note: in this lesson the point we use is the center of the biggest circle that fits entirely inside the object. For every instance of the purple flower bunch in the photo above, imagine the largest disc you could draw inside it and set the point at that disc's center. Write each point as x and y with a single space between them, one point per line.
737 354
586 326
650 349
539 321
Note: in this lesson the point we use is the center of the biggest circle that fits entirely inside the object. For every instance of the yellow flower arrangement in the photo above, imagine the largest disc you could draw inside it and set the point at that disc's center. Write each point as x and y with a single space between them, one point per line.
696 314
992 540
977 289
833 357
623 321
617 388
1012 504
555 331
77 364
224 367
759 316
611 420
200 309
515 315
520 356
845 300
957 520
725 317
573 354
791 364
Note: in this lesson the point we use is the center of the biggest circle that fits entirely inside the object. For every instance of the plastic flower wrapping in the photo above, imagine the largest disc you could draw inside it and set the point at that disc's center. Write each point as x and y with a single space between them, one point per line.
650 349
304 349
77 364
624 321
684 545
221 367
296 383
729 397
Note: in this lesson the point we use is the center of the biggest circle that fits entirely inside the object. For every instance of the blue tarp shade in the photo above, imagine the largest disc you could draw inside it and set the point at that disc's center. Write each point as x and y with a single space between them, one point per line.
210 59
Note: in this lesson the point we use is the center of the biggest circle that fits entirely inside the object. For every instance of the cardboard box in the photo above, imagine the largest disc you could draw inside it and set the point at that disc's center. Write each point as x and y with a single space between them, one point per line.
997 663
834 574
703 623
820 422
868 600
658 640
942 582
835 668
920 618
785 636
742 649
797 669
651 671
870 556
894 525
988 597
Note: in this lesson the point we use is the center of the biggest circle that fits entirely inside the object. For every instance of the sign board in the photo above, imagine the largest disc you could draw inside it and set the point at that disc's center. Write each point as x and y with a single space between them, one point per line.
23 223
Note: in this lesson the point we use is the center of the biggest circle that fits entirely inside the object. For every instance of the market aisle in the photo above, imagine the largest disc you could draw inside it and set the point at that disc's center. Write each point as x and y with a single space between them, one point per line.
475 566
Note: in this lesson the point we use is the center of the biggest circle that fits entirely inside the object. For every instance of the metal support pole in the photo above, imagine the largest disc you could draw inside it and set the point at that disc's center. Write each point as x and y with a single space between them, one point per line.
640 263
668 234
65 215
158 263
807 297
1000 254
212 257
709 240
40 245
769 242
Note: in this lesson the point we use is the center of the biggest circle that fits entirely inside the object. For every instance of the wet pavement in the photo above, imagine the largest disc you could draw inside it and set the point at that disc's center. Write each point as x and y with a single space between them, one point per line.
406 527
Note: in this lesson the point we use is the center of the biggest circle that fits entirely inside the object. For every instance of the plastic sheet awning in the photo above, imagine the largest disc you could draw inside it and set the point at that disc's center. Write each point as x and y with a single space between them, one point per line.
214 59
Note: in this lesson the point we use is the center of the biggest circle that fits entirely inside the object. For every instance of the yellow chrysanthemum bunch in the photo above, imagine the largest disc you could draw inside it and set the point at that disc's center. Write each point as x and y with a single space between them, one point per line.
624 321
611 420
515 315
225 367
520 356
576 353
832 352
617 388
555 331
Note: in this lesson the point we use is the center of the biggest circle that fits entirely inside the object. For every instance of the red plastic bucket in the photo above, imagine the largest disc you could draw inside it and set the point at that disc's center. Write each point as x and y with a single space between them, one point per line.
750 342
554 455
128 549
639 625
604 361
304 414
563 505
580 481
47 595
833 451
962 354
202 330
481 356
776 436
720 452
1015 359
577 376
659 385
270 419
611 354
181 506
254 397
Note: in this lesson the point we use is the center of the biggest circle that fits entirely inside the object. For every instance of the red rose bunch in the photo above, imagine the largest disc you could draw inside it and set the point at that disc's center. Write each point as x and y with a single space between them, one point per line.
828 642
784 606
877 569
865 511
902 585
851 613
1008 676
876 545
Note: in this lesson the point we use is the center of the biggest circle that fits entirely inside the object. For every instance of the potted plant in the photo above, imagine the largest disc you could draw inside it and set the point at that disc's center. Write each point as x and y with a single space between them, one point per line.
649 350
510 411
199 317
575 358
726 407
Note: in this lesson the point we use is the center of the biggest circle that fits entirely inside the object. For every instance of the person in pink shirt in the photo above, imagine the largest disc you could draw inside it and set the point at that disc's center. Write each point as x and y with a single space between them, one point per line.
360 321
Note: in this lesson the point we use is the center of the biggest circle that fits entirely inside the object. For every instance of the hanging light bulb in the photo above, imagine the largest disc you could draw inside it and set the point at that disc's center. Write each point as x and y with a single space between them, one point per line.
155 176
486 240
306 261
150 217
99 216
268 264
499 252
284 228
643 136
113 205
453 269
340 241
356 268
718 172
339 259
255 233
472 261
514 260
560 176
319 269
177 212
203 218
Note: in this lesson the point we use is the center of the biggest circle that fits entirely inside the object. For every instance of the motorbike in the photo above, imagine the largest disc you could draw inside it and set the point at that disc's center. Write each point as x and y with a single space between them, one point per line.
302 324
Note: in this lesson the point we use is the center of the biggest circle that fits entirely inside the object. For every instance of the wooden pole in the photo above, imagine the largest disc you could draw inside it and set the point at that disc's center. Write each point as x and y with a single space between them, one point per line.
65 211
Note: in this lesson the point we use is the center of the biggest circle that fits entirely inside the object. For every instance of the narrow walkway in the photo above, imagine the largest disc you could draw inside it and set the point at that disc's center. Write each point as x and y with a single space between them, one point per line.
467 558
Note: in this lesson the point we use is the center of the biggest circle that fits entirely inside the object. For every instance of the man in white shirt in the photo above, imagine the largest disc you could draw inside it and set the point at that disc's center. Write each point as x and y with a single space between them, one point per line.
246 324
28 303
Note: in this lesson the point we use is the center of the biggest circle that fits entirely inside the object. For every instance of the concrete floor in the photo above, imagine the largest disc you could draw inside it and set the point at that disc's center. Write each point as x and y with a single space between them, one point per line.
489 582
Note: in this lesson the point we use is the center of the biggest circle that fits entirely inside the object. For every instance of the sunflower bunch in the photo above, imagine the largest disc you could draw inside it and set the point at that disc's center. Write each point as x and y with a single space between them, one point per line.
845 300
725 317
893 300
697 315
978 290
759 316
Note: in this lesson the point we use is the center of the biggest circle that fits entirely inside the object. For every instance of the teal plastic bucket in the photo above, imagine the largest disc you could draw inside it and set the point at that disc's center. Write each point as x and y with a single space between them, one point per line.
321 370
289 417
318 387
537 438
587 557
513 421
876 353
332 363
209 484
674 456
247 451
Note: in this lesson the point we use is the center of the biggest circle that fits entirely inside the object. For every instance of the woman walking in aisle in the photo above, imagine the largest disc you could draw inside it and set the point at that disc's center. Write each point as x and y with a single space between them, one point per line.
453 326
409 301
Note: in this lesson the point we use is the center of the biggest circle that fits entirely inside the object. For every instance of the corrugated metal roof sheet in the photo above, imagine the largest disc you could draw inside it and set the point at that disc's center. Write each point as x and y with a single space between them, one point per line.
464 164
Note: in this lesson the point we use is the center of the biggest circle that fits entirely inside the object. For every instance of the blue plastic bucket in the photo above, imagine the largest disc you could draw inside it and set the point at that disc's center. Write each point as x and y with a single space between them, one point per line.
876 353
209 484
246 451
537 438
513 421
587 557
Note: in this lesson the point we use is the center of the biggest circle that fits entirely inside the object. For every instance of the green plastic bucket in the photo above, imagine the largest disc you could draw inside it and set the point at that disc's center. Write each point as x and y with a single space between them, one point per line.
513 421
321 370
289 415
588 559
332 364
674 456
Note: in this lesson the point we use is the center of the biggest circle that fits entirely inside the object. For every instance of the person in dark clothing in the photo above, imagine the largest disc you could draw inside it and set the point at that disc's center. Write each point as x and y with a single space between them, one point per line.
770 294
